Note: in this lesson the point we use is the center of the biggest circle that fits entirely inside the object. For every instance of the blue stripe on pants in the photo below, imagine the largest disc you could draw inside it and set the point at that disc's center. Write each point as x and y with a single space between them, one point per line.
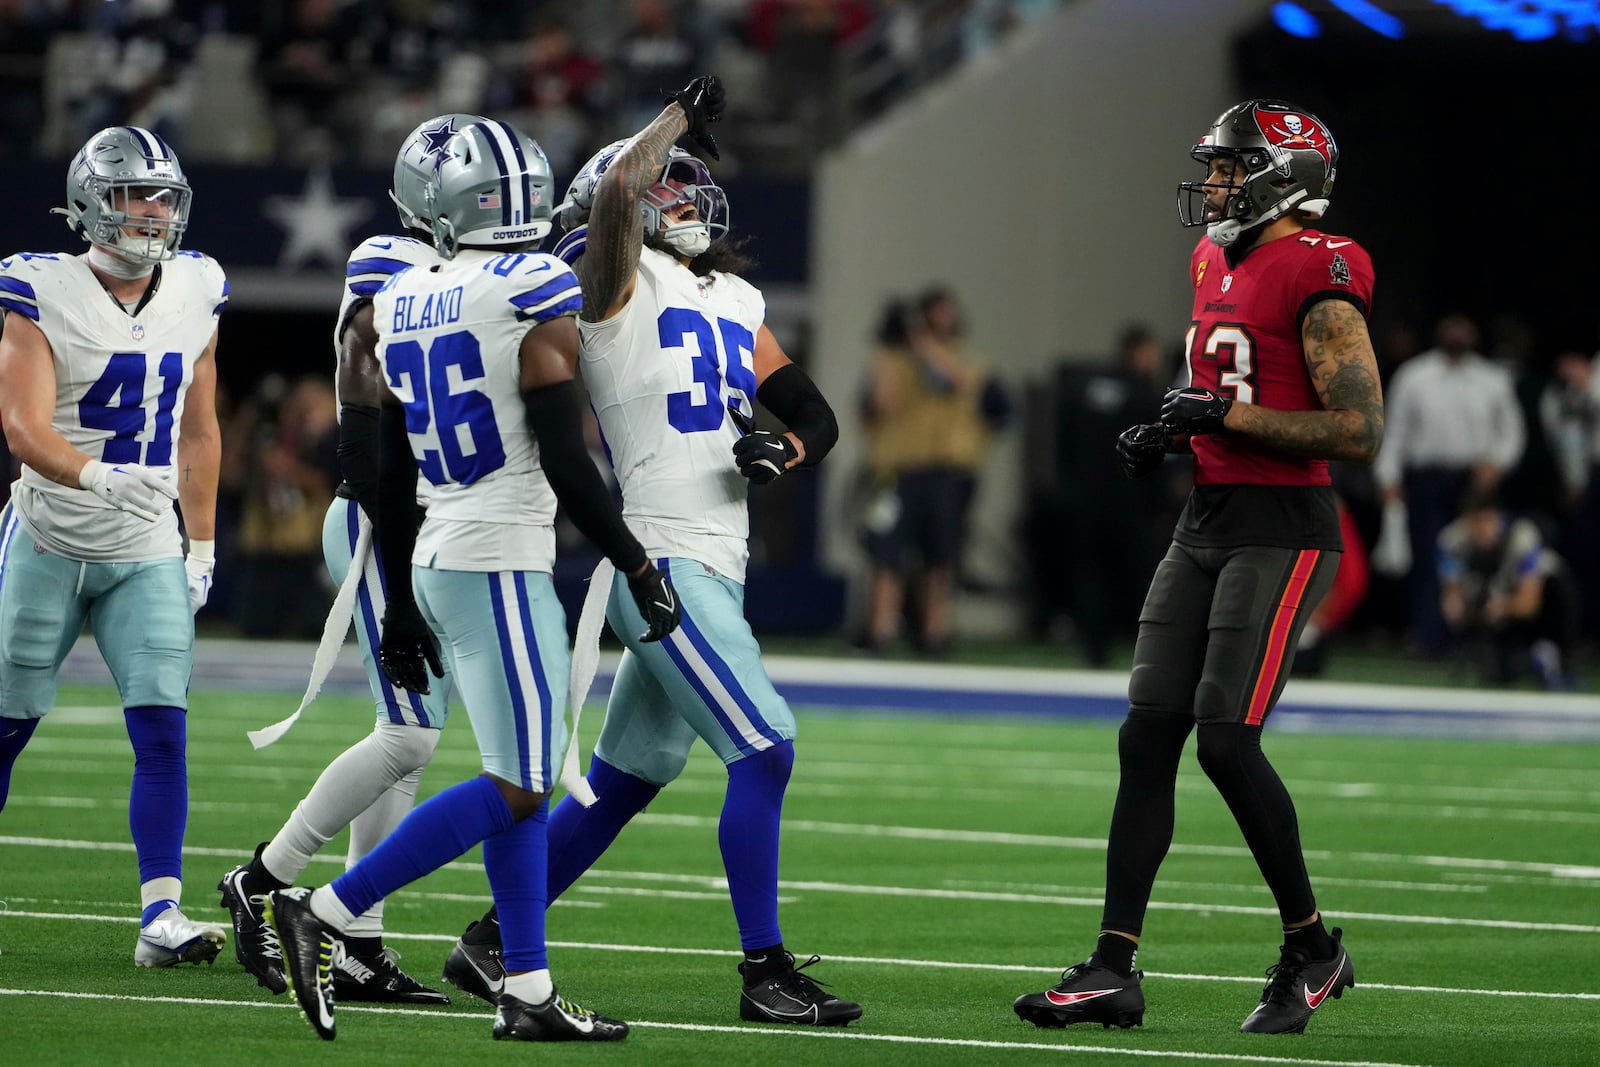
519 704
536 665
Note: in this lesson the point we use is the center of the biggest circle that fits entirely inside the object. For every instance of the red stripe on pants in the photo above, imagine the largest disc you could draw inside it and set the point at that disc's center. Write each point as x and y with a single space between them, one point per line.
1278 636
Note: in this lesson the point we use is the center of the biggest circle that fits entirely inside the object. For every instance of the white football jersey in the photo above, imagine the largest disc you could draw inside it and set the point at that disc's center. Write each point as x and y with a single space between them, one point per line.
448 338
661 375
121 380
370 266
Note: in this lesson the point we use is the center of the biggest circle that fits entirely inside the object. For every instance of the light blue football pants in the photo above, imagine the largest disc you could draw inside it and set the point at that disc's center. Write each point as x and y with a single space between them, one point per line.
505 644
395 705
705 679
139 611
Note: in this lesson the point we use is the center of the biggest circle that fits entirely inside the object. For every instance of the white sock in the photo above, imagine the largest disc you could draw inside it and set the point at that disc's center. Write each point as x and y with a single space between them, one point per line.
352 783
326 905
530 987
158 889
369 828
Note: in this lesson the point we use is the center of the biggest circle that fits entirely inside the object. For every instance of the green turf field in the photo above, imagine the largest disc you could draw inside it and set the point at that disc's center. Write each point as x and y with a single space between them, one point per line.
941 866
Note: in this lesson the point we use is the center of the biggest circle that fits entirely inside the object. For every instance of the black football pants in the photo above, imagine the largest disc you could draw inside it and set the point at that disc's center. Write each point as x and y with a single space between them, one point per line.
1216 639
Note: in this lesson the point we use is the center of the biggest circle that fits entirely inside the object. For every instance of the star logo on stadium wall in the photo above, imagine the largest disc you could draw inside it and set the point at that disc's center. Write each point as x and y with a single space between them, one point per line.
317 222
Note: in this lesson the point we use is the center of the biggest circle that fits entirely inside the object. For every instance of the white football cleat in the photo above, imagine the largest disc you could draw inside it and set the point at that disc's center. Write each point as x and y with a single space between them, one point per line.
172 938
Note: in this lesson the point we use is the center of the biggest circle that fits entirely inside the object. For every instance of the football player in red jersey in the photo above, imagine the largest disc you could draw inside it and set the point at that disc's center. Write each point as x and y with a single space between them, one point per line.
1282 379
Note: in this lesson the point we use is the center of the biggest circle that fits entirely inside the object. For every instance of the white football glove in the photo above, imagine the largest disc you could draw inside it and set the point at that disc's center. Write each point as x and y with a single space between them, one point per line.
200 563
130 487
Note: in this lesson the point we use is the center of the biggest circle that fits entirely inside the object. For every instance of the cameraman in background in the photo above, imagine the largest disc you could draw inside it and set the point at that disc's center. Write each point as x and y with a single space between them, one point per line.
929 414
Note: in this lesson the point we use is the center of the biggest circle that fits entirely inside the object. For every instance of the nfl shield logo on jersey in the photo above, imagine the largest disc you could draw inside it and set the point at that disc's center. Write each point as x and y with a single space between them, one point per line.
138 331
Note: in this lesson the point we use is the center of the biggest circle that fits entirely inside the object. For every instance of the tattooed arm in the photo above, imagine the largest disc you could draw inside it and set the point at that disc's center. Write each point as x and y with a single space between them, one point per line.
1344 369
611 262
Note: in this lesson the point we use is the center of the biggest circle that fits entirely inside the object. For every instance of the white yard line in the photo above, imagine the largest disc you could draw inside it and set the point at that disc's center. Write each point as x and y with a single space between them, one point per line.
1580 872
887 961
786 1034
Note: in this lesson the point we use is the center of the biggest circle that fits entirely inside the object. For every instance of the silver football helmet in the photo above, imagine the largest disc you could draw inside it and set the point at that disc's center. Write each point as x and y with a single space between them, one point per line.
125 178
491 187
710 202
1289 160
415 164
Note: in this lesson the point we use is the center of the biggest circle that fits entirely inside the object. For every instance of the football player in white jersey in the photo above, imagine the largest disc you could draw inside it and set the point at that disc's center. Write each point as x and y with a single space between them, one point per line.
108 395
674 351
371 785
478 353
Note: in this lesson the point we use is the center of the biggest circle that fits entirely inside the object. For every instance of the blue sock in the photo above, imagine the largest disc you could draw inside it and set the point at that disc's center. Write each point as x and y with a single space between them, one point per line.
14 734
517 863
437 831
748 835
578 835
155 909
158 802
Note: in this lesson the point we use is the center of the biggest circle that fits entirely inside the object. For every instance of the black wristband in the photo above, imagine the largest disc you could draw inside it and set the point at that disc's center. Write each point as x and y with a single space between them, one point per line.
790 394
553 417
394 526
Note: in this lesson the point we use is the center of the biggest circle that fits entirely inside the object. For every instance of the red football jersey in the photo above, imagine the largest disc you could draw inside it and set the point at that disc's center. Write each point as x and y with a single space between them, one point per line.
1244 342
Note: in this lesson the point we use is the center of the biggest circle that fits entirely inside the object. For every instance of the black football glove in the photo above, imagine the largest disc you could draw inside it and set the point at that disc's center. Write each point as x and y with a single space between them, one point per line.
657 601
702 101
1141 448
763 455
407 645
1194 411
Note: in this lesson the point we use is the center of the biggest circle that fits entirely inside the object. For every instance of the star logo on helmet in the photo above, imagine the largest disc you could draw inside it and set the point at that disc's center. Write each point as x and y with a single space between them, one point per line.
434 140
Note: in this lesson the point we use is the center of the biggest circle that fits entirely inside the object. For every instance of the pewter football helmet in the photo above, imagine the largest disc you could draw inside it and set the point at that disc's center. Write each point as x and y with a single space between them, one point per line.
711 204
1289 160
118 165
492 187
415 163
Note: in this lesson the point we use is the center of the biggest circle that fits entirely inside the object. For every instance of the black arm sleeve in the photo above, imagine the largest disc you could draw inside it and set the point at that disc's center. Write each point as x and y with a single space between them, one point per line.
553 418
358 454
394 527
792 396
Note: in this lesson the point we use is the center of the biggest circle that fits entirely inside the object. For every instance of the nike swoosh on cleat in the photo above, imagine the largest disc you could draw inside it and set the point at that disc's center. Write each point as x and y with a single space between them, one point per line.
1313 999
495 984
810 1012
1063 999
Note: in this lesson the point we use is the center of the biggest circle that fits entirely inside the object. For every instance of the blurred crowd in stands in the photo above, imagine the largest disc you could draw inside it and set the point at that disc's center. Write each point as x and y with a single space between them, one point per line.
302 81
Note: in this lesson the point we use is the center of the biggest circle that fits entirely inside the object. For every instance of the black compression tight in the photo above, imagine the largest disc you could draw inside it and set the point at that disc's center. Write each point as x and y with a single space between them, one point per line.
1231 756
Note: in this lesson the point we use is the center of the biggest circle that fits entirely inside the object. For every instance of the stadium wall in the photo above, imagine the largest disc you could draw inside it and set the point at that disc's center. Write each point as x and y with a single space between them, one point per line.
1039 182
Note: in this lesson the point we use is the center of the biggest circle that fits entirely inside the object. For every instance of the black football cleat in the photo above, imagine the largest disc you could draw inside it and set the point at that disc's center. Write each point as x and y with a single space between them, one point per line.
475 964
378 979
792 997
1087 993
255 942
557 1019
1296 987
307 955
